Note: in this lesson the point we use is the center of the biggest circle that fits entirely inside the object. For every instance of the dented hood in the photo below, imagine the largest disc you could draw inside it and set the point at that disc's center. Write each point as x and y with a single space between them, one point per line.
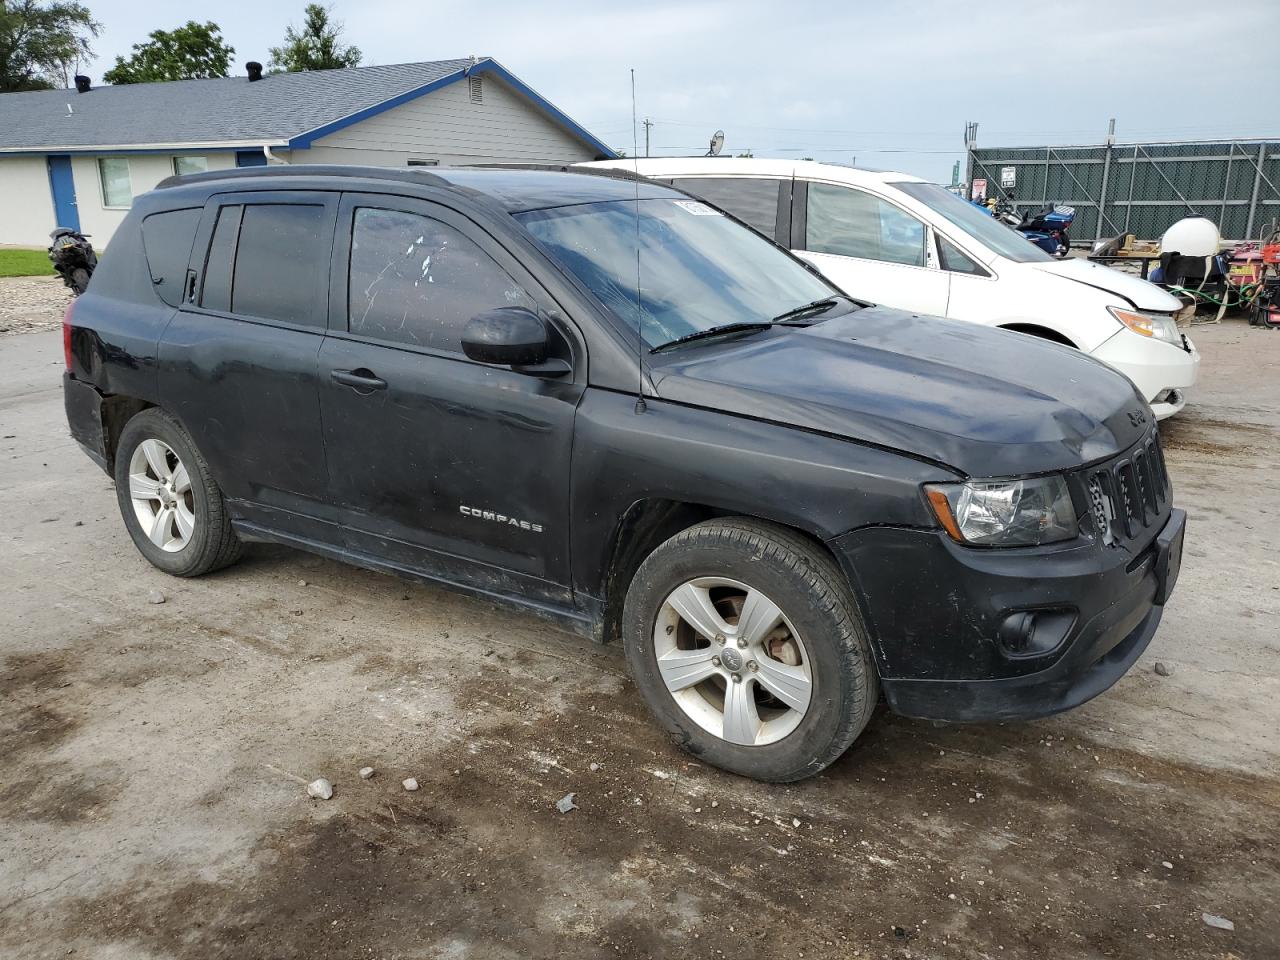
989 403
1143 294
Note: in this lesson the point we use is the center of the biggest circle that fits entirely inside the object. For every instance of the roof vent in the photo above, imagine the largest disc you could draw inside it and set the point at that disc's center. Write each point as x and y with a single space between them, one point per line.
477 90
254 69
82 83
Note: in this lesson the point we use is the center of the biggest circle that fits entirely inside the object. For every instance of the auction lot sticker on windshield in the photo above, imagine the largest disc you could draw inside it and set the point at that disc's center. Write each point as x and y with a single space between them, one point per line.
698 208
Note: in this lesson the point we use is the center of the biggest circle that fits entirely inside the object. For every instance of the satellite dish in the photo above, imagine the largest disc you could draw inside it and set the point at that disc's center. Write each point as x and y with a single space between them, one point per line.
717 144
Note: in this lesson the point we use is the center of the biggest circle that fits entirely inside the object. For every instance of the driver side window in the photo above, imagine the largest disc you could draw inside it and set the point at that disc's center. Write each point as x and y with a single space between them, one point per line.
853 223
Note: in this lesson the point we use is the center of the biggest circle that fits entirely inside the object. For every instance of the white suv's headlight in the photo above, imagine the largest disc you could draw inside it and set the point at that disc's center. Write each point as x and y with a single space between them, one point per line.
1154 325
1005 513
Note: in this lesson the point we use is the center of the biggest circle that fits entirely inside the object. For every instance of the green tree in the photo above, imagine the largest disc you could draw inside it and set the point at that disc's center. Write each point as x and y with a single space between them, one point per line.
317 46
191 52
41 42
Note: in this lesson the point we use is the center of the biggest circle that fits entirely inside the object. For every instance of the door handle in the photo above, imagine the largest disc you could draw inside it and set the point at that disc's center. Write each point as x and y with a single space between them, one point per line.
360 379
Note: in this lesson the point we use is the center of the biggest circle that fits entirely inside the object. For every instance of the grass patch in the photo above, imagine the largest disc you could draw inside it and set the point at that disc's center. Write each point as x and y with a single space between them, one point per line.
25 263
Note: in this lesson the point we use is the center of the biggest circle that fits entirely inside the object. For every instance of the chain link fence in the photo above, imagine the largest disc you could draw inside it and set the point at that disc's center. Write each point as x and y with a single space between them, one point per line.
1141 188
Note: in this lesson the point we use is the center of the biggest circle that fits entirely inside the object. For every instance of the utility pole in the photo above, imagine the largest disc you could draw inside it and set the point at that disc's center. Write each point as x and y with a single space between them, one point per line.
647 124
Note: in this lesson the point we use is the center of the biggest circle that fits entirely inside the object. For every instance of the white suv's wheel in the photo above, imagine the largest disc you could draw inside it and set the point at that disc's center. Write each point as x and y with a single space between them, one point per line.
744 641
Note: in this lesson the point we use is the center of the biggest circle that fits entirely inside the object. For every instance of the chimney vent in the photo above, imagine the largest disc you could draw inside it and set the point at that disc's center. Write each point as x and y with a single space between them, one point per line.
254 69
82 83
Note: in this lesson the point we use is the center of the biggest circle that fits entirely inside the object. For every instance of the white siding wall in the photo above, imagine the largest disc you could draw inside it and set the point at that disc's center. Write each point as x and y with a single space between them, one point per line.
26 203
446 126
145 171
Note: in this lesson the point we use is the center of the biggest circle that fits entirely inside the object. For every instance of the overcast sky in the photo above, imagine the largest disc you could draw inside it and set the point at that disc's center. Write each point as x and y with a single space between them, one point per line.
889 83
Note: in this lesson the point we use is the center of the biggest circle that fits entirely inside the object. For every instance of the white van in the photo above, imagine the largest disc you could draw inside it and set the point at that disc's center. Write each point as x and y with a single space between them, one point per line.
895 239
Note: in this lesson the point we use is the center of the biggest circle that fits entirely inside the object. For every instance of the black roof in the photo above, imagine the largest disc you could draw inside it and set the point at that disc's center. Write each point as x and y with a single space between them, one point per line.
514 189
519 189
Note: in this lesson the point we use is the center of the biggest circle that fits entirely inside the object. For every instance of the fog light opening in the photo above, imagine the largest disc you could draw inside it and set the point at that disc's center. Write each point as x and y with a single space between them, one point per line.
1033 633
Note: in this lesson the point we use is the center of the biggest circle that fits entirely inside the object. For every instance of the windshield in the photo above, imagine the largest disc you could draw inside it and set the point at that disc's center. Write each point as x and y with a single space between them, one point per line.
698 268
987 230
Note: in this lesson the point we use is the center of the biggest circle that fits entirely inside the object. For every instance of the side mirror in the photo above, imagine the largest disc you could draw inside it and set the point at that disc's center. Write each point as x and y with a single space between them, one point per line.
512 336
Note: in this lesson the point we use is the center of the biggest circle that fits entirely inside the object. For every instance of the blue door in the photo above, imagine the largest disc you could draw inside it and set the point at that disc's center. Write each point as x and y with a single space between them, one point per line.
63 187
250 158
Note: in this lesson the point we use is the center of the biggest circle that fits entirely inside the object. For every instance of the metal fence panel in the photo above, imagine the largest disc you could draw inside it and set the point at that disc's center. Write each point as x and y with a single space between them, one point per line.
1143 188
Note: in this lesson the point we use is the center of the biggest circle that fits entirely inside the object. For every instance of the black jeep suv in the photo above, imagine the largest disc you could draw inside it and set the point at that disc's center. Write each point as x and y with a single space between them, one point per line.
611 404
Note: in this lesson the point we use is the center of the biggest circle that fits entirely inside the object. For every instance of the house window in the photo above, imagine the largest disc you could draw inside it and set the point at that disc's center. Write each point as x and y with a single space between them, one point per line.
117 187
477 90
185 165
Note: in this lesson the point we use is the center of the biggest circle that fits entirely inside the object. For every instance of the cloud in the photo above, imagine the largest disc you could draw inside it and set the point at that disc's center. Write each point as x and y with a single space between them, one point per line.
891 83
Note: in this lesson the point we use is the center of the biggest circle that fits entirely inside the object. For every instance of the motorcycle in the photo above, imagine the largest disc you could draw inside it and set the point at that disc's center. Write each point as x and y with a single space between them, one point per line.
1046 228
72 256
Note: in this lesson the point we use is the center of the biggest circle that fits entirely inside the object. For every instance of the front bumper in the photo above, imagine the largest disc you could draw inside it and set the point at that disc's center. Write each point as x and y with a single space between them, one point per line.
1154 366
939 617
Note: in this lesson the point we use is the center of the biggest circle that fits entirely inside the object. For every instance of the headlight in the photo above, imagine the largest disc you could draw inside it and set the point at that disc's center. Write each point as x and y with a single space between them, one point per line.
1005 513
1149 325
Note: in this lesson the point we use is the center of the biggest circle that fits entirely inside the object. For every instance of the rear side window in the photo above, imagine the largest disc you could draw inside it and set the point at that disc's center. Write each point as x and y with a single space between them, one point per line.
853 223
418 281
281 263
269 260
751 201
166 241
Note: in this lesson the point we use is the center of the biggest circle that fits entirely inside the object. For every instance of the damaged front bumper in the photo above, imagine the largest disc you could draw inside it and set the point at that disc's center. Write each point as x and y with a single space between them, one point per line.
968 635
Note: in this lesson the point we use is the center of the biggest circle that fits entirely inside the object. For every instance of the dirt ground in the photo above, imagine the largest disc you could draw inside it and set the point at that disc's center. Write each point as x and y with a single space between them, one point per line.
154 756
28 304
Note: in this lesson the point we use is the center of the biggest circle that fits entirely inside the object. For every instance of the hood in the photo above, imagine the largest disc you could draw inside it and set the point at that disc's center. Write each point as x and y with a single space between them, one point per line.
1143 294
989 403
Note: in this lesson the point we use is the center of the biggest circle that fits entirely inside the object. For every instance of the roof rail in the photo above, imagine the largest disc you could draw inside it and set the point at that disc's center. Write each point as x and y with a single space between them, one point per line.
414 175
614 173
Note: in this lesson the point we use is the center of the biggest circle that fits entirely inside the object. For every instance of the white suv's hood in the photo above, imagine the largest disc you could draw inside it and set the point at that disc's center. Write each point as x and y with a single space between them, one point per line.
1141 293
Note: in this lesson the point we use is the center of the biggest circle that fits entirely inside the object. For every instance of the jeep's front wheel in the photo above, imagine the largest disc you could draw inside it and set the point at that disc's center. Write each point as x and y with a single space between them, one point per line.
745 643
171 505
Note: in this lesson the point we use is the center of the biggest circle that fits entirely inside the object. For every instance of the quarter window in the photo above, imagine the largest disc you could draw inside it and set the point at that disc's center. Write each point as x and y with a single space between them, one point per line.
752 201
166 240
853 223
117 185
418 281
956 260
185 165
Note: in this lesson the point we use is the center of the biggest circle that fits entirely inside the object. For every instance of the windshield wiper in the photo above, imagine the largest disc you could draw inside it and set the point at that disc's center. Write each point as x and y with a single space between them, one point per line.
804 310
724 328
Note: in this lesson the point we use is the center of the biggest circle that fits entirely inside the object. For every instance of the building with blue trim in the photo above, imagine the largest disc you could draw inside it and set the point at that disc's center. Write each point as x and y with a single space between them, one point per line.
77 159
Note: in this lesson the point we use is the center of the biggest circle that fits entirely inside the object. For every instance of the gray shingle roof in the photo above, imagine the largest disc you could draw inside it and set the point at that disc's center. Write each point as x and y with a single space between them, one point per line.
232 109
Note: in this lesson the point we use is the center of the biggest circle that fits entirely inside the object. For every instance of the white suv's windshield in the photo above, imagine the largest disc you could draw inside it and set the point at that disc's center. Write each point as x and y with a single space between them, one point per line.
698 269
987 230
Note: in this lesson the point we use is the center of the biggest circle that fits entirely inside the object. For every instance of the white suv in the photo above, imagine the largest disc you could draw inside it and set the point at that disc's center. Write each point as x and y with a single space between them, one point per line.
895 239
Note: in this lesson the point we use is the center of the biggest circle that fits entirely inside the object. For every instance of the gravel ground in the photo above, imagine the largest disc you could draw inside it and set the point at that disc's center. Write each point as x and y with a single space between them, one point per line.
31 304
153 798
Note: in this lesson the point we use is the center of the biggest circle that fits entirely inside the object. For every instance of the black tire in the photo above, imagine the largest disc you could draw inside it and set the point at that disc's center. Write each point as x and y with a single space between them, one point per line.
79 282
213 544
809 588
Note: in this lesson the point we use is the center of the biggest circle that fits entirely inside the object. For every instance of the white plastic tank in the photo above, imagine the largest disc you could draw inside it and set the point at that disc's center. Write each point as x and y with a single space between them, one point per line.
1192 237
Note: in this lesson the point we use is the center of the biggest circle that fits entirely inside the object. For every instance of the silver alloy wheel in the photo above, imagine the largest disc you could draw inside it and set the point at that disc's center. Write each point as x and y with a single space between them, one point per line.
732 661
160 489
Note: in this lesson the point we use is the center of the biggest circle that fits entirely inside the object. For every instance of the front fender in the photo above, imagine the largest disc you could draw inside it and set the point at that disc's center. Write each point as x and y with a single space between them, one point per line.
819 484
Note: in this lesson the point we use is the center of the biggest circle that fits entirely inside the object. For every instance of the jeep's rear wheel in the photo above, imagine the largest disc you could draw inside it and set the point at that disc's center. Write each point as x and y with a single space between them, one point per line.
171 505
745 643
